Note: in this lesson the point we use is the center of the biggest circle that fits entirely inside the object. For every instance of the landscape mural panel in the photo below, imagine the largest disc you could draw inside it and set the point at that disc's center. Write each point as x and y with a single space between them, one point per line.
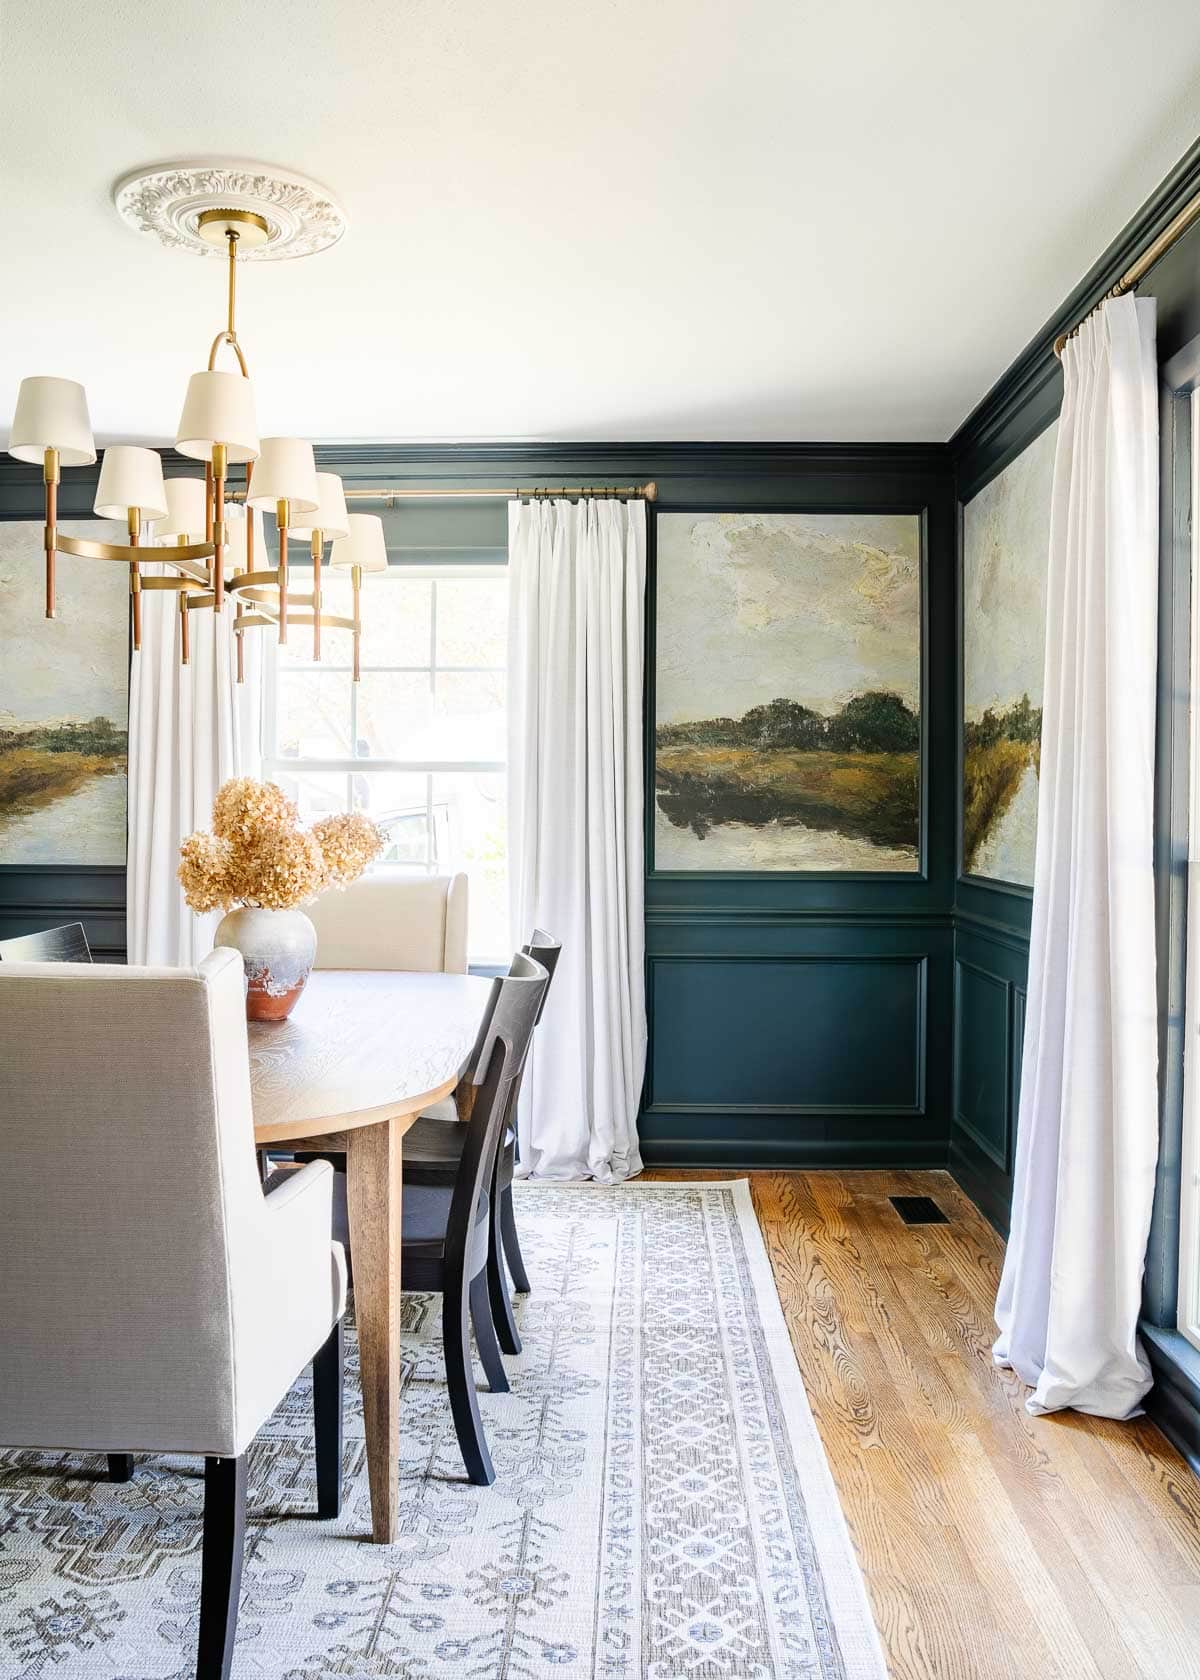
63 702
1006 538
787 692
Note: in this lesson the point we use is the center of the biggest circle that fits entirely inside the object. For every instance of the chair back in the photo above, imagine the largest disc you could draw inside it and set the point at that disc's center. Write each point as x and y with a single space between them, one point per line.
59 944
128 1204
390 921
500 1052
544 948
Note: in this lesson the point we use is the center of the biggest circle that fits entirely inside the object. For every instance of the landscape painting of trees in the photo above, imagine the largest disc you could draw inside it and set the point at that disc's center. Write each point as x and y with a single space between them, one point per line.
787 692
63 704
1006 537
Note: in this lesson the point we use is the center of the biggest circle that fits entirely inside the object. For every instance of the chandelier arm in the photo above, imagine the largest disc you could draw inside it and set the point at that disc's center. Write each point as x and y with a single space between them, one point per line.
183 585
178 555
244 582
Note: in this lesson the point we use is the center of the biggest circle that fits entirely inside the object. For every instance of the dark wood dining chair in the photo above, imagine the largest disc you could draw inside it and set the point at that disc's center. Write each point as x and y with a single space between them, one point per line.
445 1228
59 944
432 1149
446 1219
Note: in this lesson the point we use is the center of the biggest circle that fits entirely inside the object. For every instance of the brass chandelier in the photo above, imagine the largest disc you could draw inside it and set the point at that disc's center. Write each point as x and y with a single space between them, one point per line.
181 525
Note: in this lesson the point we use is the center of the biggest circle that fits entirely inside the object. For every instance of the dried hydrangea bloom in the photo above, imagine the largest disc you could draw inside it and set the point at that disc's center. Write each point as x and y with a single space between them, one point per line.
243 808
204 872
348 843
283 869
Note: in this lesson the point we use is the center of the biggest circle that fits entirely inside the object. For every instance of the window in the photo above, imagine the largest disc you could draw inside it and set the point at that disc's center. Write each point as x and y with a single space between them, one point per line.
419 743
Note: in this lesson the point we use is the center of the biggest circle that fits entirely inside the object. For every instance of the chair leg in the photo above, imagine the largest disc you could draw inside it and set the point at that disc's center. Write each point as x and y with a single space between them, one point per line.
497 1283
221 1565
327 1420
120 1467
460 1380
485 1336
512 1248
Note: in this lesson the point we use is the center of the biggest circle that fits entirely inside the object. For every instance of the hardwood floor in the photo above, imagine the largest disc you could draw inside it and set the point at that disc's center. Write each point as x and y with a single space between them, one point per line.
996 1546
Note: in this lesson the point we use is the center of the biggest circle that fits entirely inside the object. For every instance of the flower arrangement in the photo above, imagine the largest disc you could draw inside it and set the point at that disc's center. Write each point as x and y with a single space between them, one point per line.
260 857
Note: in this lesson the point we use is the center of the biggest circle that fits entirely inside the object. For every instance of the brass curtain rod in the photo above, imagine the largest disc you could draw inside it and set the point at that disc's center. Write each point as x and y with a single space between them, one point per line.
1138 269
633 492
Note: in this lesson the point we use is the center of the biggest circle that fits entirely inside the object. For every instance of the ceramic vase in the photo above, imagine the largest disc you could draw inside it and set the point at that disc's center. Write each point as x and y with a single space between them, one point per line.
278 948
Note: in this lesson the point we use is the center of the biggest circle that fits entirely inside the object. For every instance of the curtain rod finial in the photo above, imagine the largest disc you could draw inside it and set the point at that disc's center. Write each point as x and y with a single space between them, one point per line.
650 491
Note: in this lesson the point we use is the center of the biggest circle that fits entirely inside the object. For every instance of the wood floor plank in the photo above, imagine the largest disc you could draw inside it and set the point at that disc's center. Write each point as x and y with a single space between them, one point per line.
995 1545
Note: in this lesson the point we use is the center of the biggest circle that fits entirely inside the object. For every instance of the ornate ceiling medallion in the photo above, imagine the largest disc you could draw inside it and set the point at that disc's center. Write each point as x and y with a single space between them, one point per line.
168 201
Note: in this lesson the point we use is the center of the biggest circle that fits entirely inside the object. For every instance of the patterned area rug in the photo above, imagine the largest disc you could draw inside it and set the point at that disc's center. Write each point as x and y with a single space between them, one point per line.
663 1506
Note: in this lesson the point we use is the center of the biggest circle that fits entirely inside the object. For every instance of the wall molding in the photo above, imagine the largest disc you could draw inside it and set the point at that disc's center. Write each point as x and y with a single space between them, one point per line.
962 1120
917 1108
732 915
1028 394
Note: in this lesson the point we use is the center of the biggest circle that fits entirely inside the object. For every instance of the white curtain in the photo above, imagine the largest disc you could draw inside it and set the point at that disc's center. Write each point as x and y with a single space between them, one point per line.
190 728
1087 1130
577 610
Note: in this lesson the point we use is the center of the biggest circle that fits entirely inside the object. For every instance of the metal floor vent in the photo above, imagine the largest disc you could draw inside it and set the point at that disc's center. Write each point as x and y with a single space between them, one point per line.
918 1210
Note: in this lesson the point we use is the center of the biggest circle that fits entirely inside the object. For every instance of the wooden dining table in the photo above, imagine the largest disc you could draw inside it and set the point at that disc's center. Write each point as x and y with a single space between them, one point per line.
362 1054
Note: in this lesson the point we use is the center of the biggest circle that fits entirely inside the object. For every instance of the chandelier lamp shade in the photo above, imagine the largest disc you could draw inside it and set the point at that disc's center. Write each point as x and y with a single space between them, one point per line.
185 533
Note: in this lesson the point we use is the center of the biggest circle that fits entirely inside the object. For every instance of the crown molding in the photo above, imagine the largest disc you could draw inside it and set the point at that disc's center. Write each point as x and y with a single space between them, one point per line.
924 466
1027 396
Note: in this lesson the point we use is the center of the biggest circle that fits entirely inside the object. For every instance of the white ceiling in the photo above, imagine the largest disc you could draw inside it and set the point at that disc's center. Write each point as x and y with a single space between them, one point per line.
619 219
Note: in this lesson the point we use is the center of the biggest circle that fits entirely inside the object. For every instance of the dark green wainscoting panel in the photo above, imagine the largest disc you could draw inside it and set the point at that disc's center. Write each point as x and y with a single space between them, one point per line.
820 1042
989 1030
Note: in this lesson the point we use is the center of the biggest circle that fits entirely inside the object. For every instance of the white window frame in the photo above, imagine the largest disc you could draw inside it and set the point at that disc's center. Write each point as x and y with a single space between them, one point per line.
1188 1319
348 765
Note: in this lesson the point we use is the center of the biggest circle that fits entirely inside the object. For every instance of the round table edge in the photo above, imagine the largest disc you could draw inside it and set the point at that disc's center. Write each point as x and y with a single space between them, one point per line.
406 1108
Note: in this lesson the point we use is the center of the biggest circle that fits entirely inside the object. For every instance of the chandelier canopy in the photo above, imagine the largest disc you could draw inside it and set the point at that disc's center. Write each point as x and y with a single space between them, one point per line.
199 552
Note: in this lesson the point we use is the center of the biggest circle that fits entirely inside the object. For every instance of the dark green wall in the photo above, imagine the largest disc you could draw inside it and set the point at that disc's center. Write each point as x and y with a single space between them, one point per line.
793 1019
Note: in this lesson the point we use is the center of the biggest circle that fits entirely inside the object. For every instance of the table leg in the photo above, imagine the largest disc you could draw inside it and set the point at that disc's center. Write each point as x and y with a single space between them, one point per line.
373 1198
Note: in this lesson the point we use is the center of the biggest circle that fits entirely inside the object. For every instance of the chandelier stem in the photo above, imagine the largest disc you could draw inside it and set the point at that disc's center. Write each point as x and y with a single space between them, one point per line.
134 516
50 472
283 519
317 545
185 630
356 585
232 236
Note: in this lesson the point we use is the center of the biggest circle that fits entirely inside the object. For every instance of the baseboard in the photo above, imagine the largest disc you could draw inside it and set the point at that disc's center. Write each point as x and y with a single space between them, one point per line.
1174 1401
764 1154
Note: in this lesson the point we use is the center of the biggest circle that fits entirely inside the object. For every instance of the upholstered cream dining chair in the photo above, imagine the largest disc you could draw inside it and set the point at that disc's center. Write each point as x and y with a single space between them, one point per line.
152 1299
389 920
